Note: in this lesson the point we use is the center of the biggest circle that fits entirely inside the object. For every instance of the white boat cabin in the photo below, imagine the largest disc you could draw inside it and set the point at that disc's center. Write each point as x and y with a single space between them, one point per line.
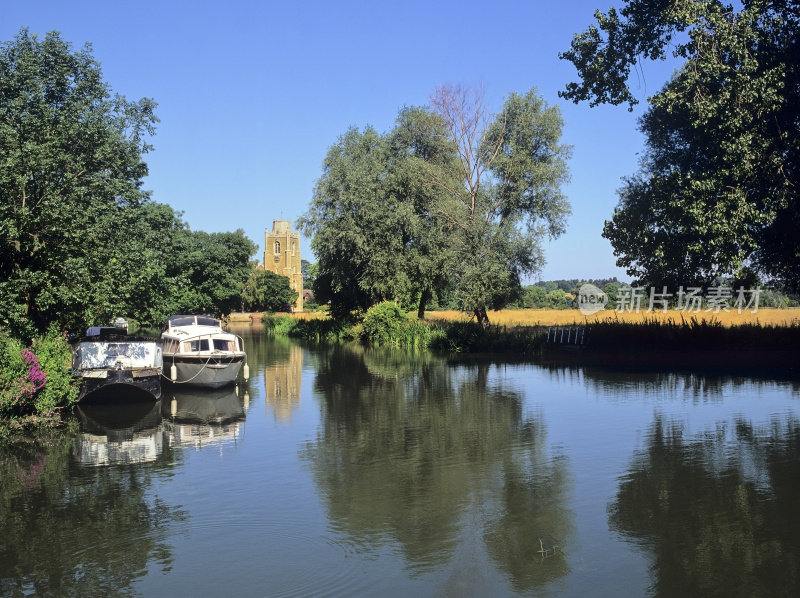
197 334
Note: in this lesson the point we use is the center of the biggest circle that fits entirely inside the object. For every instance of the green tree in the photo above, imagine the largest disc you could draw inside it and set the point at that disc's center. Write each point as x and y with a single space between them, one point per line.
72 167
611 290
346 215
557 299
216 267
372 216
267 291
423 166
717 193
309 272
535 297
508 194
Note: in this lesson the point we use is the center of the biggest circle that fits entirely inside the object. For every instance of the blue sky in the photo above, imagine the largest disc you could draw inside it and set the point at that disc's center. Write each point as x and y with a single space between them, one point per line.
252 94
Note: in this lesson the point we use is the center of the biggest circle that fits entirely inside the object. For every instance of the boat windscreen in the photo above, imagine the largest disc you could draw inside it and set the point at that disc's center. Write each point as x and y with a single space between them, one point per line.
181 321
206 321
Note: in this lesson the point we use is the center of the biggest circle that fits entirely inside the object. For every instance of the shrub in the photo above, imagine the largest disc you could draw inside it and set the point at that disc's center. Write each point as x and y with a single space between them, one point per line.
383 324
279 325
13 375
55 356
318 330
35 379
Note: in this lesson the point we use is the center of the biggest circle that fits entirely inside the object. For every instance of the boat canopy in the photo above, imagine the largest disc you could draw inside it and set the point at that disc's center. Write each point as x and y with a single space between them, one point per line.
174 321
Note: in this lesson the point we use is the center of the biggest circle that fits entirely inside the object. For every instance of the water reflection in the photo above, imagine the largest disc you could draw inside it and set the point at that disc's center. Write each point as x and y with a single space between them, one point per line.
121 433
89 531
718 510
202 417
697 386
78 512
282 380
442 462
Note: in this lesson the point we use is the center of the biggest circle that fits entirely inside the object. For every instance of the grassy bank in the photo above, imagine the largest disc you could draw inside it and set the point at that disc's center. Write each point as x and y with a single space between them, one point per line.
672 340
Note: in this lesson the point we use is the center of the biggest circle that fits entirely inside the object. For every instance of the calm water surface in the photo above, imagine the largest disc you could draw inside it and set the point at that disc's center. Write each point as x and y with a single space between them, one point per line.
342 471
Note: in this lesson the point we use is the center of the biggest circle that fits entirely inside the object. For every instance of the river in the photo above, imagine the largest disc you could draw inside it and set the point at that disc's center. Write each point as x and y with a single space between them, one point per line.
344 471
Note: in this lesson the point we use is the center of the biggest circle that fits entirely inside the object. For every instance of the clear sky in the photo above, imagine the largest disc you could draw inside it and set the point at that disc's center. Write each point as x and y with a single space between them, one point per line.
252 94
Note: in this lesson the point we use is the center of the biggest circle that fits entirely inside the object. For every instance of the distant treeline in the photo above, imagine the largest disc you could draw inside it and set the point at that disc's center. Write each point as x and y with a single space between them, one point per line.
563 294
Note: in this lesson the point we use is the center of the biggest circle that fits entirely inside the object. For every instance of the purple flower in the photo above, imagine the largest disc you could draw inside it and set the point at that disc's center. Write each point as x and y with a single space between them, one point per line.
28 384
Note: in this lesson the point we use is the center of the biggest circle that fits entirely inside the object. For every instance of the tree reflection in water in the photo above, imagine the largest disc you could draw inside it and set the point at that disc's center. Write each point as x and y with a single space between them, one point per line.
441 460
719 510
68 530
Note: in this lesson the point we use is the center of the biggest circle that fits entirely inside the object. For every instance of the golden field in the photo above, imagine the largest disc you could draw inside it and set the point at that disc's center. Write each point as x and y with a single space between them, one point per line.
565 317
559 317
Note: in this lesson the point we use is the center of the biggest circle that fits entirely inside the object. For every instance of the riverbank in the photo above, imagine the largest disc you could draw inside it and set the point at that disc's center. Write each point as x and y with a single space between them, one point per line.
688 343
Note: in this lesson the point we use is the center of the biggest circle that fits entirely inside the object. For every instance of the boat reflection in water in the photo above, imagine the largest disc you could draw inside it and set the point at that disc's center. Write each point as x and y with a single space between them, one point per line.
201 417
115 433
118 433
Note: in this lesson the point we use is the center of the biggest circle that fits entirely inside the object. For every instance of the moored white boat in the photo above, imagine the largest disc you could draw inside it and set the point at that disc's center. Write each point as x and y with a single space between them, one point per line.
198 352
113 365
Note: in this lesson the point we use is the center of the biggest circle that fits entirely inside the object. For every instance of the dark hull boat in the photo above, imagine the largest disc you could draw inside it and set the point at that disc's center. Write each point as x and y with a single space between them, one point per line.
114 366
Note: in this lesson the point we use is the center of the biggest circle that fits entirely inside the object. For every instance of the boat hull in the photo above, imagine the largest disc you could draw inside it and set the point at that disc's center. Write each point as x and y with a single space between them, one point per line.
120 384
207 371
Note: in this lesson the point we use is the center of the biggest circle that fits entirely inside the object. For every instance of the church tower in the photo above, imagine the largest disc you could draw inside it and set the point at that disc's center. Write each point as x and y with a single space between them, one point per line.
282 256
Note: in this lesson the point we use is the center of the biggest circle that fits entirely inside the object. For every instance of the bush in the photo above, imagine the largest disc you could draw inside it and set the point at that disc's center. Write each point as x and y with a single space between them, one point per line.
13 376
36 379
318 330
279 325
383 324
55 357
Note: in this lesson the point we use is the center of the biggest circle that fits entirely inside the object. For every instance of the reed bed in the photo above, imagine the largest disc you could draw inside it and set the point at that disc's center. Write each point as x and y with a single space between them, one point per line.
566 317
768 344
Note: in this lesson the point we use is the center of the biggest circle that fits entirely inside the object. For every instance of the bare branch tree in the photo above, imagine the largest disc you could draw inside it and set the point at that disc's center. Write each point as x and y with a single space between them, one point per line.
464 110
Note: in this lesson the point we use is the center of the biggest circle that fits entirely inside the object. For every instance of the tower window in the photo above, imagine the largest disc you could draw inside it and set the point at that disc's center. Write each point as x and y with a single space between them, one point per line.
277 247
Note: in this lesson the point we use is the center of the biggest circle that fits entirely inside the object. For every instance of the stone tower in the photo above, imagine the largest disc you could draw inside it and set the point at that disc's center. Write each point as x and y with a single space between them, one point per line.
282 256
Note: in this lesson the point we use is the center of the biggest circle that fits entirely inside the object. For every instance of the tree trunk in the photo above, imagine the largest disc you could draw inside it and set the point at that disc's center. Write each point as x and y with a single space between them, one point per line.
482 317
426 295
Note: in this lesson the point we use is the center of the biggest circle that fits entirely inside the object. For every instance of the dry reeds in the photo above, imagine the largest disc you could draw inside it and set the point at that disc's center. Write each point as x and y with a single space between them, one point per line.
566 317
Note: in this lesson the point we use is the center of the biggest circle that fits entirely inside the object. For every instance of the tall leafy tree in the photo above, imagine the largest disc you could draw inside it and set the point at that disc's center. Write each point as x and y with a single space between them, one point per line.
507 197
71 167
267 291
422 167
348 218
215 266
372 218
717 193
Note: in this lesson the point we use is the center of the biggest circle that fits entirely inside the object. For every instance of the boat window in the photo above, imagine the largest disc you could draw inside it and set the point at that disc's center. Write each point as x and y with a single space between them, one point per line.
206 321
182 321
199 345
220 344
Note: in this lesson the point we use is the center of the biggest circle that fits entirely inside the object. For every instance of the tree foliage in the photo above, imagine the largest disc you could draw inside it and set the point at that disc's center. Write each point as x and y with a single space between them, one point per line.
451 202
717 192
508 192
215 266
371 216
80 241
267 291
72 165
